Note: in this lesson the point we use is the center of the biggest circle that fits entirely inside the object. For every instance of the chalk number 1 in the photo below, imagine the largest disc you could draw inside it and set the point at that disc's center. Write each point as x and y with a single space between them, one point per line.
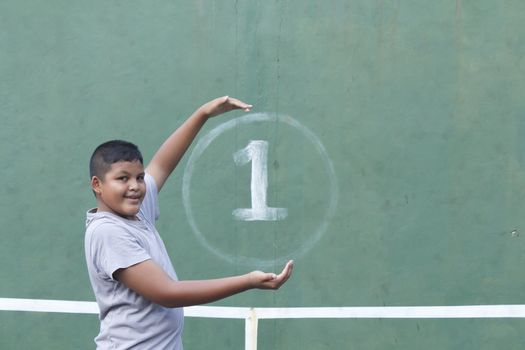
257 153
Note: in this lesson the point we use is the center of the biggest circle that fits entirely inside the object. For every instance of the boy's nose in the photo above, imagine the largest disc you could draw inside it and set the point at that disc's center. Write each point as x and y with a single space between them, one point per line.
133 185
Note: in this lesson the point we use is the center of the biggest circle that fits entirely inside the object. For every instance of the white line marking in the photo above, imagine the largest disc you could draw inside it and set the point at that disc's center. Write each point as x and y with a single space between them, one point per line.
462 311
40 305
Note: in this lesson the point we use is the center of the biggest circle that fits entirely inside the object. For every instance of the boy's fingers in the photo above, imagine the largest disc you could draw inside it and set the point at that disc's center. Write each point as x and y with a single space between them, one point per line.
288 267
287 271
237 103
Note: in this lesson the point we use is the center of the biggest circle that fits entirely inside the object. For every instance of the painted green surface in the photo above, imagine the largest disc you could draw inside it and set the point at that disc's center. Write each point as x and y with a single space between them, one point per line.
418 105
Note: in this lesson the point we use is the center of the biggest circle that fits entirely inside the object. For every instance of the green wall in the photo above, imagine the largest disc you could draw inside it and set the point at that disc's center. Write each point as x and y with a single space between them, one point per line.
396 142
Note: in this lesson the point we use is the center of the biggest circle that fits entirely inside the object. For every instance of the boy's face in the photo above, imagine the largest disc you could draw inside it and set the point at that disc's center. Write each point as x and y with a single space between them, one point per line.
122 189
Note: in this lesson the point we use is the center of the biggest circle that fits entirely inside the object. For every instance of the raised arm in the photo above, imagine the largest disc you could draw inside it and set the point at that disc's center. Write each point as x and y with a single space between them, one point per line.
150 281
170 153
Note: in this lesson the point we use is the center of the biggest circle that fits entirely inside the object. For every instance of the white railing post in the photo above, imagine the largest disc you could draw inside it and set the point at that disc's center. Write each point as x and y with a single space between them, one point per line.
250 331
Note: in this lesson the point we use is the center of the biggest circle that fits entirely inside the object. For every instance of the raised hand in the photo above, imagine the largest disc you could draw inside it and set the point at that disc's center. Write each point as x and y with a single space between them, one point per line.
222 105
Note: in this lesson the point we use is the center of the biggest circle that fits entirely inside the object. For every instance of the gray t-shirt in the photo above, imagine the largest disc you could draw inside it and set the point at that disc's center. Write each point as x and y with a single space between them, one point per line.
128 320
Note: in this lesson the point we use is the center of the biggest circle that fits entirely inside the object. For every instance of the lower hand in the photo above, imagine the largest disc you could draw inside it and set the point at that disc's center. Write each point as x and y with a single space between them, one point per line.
265 280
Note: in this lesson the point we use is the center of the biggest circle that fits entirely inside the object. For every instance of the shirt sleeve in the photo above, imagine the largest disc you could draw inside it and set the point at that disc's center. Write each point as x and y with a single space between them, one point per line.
116 248
150 205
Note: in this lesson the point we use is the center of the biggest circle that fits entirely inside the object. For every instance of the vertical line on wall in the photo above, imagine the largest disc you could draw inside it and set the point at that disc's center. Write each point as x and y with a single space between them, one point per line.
281 15
277 109
236 137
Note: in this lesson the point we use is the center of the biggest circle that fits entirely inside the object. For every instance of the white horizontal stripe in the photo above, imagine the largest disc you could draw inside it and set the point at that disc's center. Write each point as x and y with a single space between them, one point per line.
467 311
217 312
41 305
91 307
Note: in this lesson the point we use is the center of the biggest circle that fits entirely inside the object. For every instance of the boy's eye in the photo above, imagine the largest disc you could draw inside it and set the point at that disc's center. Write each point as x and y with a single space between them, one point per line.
123 178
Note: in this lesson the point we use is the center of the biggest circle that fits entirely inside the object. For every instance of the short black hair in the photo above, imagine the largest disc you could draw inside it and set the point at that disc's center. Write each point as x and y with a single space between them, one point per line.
111 152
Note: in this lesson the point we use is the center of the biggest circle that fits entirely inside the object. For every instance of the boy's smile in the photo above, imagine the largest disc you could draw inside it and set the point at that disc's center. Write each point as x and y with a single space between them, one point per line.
122 189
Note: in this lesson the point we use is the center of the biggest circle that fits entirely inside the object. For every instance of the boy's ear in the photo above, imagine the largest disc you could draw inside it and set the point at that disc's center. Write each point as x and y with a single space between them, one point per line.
95 184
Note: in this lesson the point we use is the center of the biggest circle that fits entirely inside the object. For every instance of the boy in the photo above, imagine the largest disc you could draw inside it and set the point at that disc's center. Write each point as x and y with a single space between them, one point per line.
136 287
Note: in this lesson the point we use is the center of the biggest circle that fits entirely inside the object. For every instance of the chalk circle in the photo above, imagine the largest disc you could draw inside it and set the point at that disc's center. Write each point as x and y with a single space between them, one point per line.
203 144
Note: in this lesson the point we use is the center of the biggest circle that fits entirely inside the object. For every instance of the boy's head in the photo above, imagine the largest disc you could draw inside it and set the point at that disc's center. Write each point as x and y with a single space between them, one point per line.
112 152
117 178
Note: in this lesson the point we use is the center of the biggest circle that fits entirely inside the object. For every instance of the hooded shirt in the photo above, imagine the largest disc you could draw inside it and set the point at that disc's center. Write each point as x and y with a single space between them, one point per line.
127 319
